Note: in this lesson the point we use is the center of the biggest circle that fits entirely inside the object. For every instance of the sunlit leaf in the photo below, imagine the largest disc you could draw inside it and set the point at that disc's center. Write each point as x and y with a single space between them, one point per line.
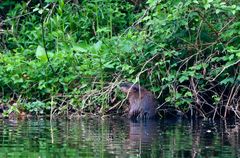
183 78
40 53
97 46
227 80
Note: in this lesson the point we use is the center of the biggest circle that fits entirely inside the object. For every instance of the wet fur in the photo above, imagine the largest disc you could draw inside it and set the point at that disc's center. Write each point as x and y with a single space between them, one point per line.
143 105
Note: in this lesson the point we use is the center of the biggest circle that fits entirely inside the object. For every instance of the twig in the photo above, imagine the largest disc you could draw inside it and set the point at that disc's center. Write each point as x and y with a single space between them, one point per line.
225 26
223 69
209 24
229 100
141 18
43 39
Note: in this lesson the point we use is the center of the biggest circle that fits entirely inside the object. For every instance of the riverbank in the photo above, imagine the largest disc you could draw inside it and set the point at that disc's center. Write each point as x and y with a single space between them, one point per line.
63 56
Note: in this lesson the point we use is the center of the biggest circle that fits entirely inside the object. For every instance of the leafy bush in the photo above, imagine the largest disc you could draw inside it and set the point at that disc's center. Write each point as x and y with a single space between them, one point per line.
186 52
196 42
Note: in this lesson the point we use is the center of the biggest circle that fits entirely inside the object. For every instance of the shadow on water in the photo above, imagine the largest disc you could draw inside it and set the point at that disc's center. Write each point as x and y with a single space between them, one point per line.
117 137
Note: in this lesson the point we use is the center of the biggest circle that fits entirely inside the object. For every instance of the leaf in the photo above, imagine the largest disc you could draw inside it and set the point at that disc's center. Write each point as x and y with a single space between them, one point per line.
127 48
227 80
41 53
178 95
151 2
78 48
40 11
218 11
191 73
188 94
97 46
231 57
238 54
183 78
195 1
109 65
51 1
207 6
35 9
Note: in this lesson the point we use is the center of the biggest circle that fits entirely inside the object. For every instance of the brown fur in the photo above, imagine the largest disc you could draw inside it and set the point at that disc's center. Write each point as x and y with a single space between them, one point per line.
142 102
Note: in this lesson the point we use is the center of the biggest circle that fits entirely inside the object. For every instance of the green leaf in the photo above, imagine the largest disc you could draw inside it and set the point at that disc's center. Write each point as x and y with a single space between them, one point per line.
51 1
41 53
207 6
218 11
126 47
97 46
238 54
109 65
227 80
78 48
35 9
231 57
188 94
183 78
40 11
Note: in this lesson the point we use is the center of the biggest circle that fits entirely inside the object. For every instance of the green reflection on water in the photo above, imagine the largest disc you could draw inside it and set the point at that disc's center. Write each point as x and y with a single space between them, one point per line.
117 138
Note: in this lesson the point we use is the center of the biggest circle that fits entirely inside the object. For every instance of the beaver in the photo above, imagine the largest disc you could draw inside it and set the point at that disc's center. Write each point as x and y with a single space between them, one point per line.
143 104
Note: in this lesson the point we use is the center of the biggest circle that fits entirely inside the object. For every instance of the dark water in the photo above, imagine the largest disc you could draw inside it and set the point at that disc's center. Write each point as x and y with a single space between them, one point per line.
118 138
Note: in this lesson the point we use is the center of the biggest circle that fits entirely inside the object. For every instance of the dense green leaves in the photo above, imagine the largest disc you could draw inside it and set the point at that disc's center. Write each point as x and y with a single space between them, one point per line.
186 52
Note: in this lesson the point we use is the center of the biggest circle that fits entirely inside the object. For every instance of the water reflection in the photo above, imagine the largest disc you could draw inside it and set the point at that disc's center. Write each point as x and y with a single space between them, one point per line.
142 134
117 137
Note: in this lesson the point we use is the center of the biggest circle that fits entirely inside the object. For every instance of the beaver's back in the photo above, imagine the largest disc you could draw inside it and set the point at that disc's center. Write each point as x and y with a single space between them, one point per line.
142 102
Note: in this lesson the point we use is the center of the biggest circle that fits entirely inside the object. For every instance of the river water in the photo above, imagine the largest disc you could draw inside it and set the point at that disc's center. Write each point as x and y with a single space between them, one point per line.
117 137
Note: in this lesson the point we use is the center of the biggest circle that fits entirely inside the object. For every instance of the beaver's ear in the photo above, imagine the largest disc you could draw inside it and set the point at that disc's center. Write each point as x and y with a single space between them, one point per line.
136 88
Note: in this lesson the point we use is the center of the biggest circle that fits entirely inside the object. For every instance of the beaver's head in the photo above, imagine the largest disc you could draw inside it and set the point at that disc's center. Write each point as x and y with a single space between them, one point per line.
129 87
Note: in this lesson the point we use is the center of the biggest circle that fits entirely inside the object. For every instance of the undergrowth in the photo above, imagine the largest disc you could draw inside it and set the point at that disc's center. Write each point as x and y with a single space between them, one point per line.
58 56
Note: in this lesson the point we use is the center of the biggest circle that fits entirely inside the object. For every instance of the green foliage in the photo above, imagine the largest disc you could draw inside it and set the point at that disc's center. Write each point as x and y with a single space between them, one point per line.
36 107
200 53
186 52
